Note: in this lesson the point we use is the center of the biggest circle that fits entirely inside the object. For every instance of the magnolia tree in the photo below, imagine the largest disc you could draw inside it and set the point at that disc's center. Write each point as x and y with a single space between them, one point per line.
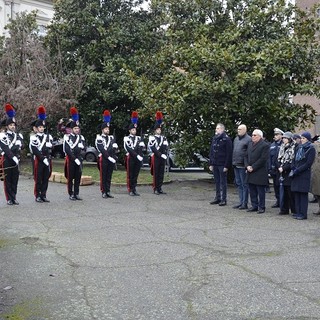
231 62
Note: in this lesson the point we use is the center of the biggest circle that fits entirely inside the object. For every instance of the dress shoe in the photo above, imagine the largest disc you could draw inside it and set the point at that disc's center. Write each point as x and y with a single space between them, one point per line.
223 203
299 217
38 199
109 195
104 195
282 213
161 191
131 194
72 197
10 202
276 205
261 211
44 199
15 202
243 207
252 209
77 197
236 206
215 201
136 193
156 192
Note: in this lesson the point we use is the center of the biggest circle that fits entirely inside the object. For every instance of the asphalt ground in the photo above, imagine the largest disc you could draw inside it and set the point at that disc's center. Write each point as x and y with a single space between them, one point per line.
173 256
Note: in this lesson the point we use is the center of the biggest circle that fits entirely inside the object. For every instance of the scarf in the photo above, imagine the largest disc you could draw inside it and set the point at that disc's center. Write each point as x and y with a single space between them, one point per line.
286 153
302 150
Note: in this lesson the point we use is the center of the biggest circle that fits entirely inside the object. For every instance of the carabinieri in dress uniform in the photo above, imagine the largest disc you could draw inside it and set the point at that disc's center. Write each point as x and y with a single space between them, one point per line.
11 144
158 145
41 145
133 145
107 147
73 146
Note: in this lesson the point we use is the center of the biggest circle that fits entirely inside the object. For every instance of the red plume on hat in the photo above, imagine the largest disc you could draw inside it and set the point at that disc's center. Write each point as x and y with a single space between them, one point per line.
74 114
159 117
106 116
41 113
134 117
10 110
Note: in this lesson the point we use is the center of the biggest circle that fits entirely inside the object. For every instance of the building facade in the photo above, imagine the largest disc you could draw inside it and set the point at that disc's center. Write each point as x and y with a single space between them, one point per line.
306 5
9 9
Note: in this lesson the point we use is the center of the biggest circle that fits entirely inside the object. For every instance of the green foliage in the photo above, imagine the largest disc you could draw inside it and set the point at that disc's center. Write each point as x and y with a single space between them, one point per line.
105 36
198 61
237 63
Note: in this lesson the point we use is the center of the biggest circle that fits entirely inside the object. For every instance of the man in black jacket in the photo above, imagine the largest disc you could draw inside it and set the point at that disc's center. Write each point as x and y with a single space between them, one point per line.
274 165
220 161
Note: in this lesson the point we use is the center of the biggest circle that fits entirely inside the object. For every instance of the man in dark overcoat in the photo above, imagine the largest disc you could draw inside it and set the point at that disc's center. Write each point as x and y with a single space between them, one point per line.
256 162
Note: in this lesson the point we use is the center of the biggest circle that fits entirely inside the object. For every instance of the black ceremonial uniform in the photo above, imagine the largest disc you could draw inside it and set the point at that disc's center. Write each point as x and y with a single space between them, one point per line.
107 148
158 145
73 145
11 144
134 150
41 145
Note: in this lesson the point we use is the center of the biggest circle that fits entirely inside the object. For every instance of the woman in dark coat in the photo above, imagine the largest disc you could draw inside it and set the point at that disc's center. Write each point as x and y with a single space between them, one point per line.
301 175
285 158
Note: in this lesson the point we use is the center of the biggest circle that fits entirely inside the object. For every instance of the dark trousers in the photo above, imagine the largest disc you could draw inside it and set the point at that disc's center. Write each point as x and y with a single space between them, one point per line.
287 201
41 177
157 169
106 169
257 196
133 166
11 179
276 187
301 202
73 176
220 178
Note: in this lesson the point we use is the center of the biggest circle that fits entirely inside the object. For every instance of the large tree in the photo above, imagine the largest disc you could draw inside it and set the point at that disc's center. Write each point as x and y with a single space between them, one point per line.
104 37
231 62
28 76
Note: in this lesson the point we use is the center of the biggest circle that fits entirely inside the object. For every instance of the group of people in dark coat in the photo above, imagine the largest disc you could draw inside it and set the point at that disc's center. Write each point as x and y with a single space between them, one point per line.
288 161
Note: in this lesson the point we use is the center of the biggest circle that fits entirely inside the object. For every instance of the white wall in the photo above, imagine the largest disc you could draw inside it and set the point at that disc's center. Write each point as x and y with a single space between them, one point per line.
9 8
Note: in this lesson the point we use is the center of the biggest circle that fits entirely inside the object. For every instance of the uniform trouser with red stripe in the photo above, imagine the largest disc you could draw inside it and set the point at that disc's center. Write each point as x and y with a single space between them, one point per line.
41 178
106 170
74 173
11 179
158 172
133 169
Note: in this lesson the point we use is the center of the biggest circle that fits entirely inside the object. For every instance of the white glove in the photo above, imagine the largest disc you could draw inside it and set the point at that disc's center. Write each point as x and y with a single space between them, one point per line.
77 161
112 159
165 143
115 145
48 144
163 156
18 143
141 144
80 145
139 158
46 162
15 159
